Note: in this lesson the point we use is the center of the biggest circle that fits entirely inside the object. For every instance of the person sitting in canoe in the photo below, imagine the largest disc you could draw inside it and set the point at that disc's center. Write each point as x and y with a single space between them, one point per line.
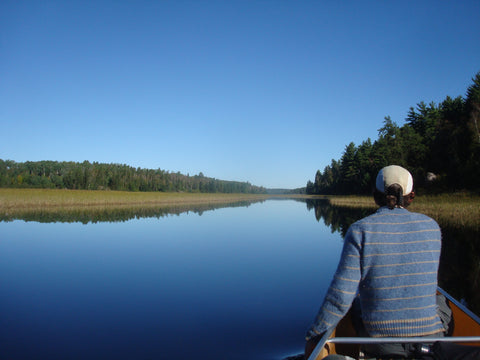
389 266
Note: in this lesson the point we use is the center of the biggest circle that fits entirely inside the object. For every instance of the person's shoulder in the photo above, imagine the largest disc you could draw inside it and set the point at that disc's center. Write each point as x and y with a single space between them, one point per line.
422 217
419 215
366 220
384 214
377 214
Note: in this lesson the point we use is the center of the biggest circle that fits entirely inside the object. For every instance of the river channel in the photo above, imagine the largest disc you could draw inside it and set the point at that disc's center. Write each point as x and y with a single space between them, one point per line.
236 282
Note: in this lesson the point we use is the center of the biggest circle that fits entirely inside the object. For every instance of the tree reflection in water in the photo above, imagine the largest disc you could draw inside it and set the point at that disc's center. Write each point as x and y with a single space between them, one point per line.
95 214
459 272
336 217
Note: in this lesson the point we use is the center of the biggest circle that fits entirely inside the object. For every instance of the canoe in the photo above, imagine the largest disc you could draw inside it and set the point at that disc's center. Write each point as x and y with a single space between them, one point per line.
343 340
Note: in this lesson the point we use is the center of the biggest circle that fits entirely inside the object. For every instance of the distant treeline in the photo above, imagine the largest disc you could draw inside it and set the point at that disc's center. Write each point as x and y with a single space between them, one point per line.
286 191
439 144
97 176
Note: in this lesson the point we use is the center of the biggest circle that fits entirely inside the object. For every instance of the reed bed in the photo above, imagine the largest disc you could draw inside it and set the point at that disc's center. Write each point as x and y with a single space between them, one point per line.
458 210
353 201
18 200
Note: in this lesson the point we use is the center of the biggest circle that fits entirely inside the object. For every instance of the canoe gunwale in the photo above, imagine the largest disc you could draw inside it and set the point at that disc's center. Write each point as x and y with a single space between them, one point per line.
399 340
460 305
327 338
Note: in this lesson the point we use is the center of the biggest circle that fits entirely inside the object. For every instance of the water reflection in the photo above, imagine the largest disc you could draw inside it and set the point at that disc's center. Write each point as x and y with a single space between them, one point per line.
337 218
459 272
245 282
236 283
87 215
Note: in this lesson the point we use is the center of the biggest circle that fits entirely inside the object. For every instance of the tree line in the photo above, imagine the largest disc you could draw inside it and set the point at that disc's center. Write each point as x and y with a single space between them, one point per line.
439 144
98 176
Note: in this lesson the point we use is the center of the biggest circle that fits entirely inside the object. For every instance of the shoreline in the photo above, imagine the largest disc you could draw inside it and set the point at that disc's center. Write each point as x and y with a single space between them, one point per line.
14 200
461 210
458 209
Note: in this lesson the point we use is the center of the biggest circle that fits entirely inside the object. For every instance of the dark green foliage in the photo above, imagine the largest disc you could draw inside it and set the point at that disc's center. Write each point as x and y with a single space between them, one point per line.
96 176
472 105
441 139
337 218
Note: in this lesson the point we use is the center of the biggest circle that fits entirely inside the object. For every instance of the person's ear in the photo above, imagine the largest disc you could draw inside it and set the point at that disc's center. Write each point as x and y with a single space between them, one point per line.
410 197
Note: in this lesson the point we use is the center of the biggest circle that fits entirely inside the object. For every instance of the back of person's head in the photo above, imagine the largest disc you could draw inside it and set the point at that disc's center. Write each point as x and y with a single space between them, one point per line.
393 186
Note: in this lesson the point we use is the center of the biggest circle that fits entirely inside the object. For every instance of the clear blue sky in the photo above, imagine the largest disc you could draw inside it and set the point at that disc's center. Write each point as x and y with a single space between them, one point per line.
260 91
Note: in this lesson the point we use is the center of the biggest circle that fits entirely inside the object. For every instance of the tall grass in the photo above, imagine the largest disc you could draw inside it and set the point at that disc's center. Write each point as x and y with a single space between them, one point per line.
15 200
459 210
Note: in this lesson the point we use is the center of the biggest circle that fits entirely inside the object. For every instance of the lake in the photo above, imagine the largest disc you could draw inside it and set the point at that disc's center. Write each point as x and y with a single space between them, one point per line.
232 283
239 282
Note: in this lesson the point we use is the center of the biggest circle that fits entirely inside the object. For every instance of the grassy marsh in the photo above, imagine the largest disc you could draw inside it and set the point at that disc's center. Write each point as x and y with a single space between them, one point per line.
459 210
13 201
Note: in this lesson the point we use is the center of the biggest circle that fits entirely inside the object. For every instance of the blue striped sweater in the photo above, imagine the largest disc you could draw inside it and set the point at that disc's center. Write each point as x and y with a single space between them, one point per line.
391 260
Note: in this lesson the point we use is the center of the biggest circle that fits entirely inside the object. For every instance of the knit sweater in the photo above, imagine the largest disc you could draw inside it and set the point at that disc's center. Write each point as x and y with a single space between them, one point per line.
390 259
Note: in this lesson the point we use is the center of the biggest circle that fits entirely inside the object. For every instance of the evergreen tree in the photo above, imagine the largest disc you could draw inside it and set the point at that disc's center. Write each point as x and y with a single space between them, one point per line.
443 139
69 175
349 169
473 113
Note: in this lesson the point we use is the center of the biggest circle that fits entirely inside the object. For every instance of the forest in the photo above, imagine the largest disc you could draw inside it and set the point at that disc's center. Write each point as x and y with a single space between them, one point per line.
439 144
98 176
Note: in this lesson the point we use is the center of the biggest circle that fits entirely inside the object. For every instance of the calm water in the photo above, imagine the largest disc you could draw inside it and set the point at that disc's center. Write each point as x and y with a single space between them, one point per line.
238 282
231 283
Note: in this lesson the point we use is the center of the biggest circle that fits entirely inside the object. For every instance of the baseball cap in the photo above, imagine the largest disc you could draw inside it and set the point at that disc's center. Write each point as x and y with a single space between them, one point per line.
394 174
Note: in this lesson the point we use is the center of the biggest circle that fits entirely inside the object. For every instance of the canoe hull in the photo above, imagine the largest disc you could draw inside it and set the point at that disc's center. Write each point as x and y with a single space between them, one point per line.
465 324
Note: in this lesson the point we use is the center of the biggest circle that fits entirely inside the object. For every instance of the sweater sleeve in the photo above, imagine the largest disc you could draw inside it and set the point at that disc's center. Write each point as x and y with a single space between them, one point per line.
343 288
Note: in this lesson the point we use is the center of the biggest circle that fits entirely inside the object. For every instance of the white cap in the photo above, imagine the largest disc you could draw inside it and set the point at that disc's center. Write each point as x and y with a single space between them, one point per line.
394 174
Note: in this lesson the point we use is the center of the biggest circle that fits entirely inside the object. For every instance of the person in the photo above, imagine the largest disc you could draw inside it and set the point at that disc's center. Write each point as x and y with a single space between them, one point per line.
389 266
